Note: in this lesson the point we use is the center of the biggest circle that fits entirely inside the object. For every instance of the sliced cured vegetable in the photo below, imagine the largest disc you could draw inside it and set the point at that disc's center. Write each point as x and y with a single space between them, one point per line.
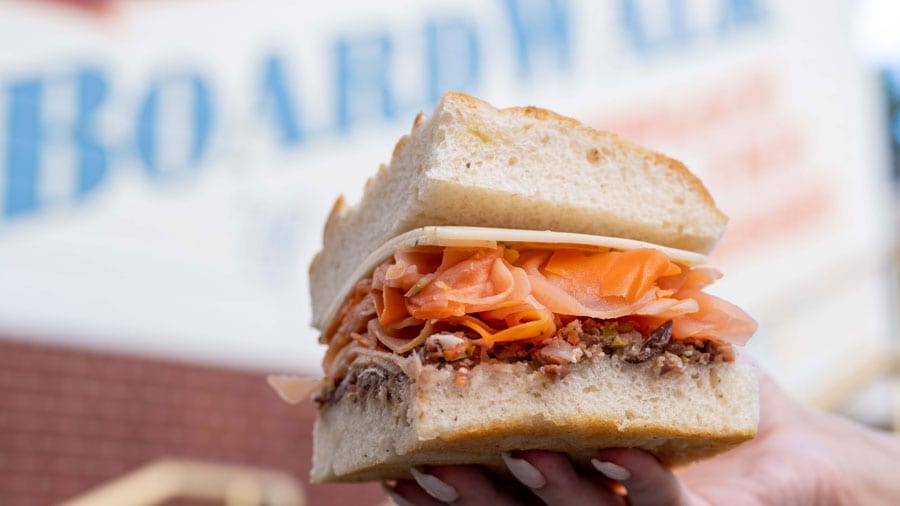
625 274
513 294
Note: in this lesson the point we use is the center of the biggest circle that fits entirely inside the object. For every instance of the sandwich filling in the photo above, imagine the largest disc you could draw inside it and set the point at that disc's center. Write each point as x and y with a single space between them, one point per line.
548 306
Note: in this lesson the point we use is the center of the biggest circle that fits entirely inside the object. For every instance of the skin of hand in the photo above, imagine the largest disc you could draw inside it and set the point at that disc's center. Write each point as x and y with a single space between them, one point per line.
800 456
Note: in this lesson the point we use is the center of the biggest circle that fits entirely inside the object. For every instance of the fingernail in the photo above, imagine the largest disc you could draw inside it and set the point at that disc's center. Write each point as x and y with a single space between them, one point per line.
612 471
394 496
434 486
524 471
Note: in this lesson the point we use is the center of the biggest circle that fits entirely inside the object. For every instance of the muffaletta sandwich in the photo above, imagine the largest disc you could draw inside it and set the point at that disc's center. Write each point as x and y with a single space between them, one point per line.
516 280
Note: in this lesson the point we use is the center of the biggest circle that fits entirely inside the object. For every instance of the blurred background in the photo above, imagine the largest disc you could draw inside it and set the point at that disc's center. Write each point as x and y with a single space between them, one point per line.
166 168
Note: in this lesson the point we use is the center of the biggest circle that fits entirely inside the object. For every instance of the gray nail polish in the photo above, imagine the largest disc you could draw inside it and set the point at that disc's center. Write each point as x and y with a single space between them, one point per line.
612 471
524 471
434 486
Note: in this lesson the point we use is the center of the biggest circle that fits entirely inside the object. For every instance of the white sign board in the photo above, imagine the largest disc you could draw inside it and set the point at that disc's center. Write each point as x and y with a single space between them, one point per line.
166 167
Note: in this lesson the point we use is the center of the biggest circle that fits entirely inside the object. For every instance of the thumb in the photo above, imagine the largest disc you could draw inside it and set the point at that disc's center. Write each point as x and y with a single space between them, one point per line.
647 481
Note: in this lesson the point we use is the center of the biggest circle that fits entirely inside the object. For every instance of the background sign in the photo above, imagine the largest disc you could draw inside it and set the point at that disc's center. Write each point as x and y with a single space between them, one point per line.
166 167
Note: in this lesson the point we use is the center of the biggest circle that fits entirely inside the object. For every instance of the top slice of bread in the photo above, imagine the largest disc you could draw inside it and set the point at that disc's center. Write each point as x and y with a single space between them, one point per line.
471 164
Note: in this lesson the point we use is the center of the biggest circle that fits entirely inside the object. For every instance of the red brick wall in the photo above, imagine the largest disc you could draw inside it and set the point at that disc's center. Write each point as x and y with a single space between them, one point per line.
72 419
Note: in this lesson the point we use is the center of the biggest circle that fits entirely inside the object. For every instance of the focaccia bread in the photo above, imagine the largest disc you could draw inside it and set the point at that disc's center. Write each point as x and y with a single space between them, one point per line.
470 164
402 414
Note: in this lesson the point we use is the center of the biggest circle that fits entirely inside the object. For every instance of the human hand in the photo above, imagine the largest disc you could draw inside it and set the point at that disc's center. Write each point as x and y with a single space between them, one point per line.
800 456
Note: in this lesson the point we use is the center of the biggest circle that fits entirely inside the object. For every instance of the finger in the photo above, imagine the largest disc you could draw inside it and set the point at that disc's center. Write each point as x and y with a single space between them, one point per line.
551 477
409 493
462 485
647 481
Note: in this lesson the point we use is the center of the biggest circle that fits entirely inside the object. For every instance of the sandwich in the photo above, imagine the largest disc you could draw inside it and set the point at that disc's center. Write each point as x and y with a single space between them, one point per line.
516 280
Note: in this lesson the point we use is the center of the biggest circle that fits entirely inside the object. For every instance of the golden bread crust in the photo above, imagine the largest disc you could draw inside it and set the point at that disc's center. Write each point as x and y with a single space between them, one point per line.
540 114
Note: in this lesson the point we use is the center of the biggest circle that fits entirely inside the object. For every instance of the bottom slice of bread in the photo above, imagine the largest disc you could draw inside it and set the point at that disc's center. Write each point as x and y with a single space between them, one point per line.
401 414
